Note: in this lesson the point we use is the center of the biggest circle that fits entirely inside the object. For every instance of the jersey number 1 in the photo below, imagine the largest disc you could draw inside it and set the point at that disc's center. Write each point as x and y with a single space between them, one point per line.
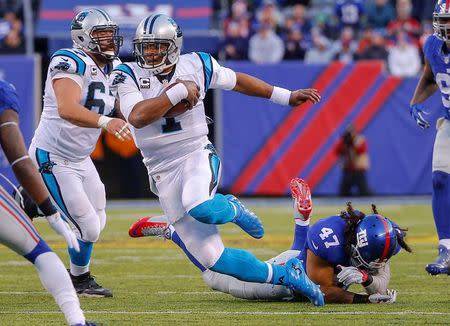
325 233
171 125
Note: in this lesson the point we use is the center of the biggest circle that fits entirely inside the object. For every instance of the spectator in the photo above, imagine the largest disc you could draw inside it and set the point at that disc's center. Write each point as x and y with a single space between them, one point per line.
297 34
269 14
349 13
11 36
345 48
234 47
404 59
320 52
379 14
405 22
239 19
265 46
376 49
352 151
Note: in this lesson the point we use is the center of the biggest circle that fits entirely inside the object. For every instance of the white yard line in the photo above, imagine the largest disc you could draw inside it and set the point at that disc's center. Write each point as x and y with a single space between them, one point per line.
262 313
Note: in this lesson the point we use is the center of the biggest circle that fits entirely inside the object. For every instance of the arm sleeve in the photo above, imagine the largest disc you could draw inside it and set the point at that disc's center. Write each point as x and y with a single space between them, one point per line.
380 281
216 76
125 89
8 97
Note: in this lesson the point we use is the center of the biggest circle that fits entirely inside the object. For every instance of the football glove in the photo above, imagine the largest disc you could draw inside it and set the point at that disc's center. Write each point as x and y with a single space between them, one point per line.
62 228
351 275
417 112
390 297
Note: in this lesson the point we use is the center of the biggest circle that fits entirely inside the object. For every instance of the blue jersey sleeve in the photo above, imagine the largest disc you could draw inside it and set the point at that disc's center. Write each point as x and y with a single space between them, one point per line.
326 240
8 97
431 48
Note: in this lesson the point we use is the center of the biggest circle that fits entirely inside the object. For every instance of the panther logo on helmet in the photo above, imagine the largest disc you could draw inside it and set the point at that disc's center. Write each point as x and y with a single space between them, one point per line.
93 31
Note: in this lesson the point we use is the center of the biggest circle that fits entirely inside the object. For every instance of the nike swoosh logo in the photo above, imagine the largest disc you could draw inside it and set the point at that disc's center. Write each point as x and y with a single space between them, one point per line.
314 245
65 59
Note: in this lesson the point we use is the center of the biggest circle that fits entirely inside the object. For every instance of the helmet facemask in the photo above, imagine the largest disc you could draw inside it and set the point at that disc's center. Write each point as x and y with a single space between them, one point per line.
155 55
359 262
441 22
105 41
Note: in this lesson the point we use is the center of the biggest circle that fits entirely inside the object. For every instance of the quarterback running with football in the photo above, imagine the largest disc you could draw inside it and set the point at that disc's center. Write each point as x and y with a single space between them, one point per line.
337 251
183 166
436 75
77 105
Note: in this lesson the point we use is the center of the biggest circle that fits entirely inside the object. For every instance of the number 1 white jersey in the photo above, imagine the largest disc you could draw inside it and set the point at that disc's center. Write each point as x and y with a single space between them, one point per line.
169 138
59 136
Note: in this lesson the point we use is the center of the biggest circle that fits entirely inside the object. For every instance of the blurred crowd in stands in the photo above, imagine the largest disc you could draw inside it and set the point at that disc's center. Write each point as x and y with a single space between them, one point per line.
313 31
320 31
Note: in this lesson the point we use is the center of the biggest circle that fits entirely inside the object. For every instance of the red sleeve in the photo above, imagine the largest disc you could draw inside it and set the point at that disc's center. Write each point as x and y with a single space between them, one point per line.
361 147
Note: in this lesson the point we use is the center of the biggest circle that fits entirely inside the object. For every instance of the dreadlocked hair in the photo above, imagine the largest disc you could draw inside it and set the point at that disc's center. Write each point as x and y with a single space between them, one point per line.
401 233
351 218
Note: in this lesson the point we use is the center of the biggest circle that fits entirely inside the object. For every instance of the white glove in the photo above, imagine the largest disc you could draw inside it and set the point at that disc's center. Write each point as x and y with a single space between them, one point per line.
351 275
62 228
390 297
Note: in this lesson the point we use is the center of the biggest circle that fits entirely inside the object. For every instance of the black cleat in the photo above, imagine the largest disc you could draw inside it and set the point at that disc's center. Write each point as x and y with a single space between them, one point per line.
86 286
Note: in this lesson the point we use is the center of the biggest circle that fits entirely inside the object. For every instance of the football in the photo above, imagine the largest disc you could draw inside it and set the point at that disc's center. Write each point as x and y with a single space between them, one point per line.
177 109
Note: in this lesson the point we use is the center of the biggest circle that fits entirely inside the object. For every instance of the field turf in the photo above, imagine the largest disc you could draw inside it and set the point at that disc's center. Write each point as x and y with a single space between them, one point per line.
153 283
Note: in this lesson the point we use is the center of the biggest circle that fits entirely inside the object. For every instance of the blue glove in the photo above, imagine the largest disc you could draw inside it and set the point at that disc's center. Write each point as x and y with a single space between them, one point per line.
417 111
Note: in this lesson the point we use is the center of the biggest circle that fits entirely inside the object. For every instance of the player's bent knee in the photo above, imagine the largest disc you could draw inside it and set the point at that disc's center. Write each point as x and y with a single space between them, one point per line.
440 180
213 211
92 233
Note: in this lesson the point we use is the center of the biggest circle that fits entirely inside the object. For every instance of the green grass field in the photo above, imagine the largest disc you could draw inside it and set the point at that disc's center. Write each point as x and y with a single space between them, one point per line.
153 282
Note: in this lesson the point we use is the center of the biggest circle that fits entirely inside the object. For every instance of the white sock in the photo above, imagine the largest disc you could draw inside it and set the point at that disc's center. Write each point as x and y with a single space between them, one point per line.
56 280
445 243
301 222
76 270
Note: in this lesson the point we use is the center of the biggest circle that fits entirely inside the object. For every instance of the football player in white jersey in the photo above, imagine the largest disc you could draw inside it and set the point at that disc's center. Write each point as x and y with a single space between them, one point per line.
77 105
16 230
183 166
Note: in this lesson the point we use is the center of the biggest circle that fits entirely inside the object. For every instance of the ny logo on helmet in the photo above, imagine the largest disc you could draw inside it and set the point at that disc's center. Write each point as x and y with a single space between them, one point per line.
361 238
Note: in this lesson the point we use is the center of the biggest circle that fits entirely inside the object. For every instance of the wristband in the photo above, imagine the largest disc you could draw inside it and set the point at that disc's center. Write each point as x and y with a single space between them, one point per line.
177 93
47 207
360 298
19 159
367 279
103 121
280 95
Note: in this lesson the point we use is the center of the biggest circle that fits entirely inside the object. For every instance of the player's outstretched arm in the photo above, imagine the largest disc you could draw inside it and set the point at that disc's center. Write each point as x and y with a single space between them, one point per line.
253 86
68 95
26 173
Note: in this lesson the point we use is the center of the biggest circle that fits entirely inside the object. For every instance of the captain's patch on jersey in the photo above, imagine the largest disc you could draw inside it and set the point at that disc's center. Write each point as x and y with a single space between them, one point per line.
144 82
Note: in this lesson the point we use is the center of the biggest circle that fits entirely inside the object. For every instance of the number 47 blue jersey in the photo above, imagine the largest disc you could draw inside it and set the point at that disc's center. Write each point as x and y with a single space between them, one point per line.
326 240
439 61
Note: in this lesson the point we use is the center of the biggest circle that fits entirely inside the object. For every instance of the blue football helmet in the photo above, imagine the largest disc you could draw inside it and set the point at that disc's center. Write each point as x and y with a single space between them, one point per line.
441 19
376 242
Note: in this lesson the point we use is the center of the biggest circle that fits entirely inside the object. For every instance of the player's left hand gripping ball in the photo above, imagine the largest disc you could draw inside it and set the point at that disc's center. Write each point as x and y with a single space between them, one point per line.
300 96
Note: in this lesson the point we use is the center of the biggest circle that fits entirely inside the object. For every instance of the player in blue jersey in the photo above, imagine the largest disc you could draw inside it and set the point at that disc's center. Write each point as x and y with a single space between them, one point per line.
436 75
16 230
337 251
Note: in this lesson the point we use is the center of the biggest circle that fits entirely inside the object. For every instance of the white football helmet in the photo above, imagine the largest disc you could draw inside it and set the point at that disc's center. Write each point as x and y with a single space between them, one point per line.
163 37
441 20
82 29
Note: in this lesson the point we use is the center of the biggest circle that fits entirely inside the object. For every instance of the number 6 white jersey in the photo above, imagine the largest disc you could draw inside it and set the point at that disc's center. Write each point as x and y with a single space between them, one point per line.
59 136
169 138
